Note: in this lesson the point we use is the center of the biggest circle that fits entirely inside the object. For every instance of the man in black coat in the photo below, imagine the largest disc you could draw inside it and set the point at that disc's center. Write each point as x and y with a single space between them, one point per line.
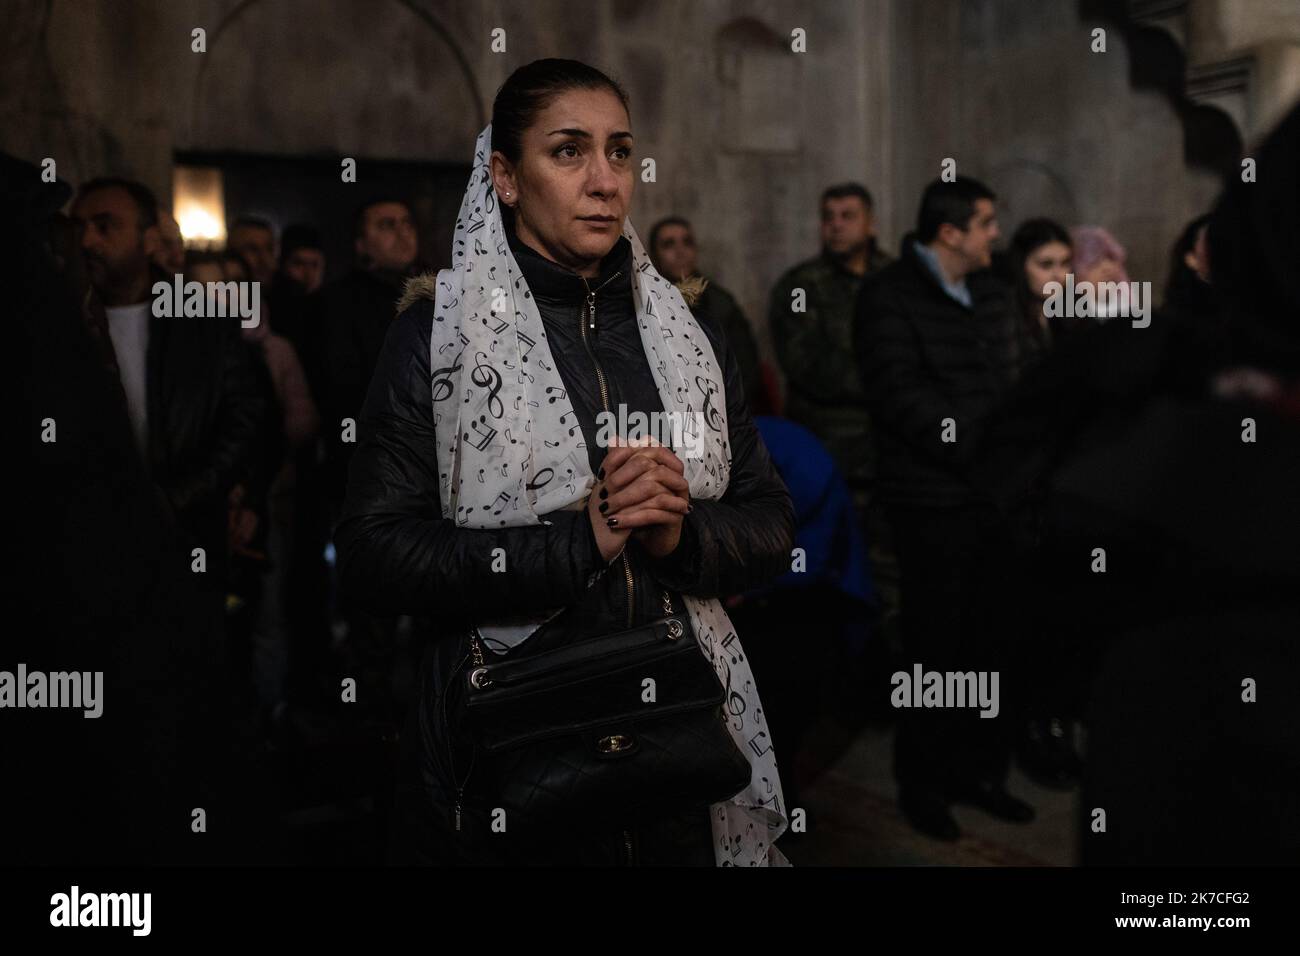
105 533
934 341
354 315
196 400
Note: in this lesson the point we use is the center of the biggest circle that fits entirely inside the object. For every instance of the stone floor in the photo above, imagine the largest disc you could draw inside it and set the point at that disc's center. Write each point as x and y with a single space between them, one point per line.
853 819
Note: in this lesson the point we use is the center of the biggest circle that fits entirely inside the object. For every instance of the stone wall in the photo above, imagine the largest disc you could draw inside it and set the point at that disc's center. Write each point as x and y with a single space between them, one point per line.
745 133
1012 90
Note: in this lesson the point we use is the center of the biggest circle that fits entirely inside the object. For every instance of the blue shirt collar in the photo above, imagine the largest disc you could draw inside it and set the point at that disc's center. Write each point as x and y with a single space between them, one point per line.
956 290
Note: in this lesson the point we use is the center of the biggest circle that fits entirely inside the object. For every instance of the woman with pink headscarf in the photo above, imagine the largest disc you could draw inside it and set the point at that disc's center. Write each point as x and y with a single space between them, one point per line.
1098 257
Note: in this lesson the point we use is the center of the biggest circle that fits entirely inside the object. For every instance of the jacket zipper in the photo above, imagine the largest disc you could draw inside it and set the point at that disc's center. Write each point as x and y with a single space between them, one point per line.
589 316
476 655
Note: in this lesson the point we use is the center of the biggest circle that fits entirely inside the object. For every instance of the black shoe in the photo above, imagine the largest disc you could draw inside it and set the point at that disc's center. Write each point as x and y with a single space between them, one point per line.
1047 755
927 811
994 800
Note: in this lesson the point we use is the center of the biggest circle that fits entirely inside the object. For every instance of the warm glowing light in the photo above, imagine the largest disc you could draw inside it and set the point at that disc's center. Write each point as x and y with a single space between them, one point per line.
199 206
198 223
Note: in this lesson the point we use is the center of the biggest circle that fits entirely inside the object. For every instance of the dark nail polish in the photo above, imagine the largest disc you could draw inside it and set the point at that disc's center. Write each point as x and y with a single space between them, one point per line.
601 474
604 506
604 493
690 508
612 522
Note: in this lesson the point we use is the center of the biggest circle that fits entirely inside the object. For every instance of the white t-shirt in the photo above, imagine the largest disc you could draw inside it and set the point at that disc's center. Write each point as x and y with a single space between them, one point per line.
128 326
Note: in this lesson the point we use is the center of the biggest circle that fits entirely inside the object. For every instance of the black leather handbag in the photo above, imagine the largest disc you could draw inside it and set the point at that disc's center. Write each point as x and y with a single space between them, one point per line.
622 727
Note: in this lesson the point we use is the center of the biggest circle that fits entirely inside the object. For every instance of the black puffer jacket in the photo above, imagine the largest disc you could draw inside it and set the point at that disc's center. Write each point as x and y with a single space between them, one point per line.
925 357
398 554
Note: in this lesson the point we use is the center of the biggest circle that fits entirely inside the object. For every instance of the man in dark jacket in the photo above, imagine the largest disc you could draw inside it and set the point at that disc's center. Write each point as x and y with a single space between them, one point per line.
103 584
354 314
671 245
354 317
934 341
811 317
196 402
194 393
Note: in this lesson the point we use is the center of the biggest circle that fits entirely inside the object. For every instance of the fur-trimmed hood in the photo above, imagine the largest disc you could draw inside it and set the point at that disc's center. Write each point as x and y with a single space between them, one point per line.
425 286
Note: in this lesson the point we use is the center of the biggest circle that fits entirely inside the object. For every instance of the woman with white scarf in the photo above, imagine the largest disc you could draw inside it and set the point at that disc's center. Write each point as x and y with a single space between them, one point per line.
505 482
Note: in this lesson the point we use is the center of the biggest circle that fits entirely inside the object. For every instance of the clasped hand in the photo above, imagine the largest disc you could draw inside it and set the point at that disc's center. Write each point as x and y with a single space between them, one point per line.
642 494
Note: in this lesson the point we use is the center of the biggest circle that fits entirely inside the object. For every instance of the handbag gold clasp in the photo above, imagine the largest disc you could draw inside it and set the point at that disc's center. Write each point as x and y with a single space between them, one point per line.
614 743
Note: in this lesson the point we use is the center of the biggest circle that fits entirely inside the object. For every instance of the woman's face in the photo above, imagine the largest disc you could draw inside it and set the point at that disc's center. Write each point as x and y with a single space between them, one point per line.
573 183
1050 262
1107 269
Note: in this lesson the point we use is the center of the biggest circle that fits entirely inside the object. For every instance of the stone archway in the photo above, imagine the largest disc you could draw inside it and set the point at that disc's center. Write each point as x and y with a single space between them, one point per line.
382 80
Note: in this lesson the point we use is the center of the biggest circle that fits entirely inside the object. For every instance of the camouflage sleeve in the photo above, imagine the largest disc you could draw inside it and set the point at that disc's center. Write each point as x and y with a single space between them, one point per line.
815 363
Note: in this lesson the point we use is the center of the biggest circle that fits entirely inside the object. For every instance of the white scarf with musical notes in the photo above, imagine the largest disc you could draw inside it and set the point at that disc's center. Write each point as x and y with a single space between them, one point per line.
509 452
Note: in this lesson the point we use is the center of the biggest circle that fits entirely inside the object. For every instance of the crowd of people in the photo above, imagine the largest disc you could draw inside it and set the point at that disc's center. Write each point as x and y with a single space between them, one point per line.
954 453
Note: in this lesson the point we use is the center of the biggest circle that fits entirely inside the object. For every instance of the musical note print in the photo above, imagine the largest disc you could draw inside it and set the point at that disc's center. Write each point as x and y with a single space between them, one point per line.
443 385
738 655
711 415
526 341
476 220
572 428
735 704
483 431
485 376
540 482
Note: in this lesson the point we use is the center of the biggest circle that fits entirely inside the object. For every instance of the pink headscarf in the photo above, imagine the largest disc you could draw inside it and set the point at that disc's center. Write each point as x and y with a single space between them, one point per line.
1092 244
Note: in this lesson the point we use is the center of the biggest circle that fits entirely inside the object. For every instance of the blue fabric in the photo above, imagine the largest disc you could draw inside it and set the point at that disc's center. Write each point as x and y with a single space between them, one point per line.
826 526
957 290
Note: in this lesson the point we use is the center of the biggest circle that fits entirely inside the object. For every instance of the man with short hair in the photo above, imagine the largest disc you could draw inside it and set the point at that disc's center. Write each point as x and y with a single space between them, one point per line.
811 316
935 344
191 386
293 310
254 240
355 313
170 256
302 257
673 250
197 404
